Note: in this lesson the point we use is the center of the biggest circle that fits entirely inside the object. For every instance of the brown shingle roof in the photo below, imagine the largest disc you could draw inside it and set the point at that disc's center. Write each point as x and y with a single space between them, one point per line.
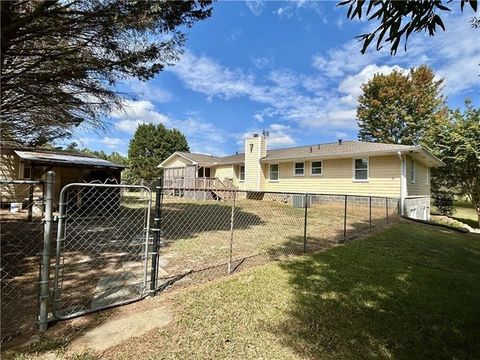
330 150
334 149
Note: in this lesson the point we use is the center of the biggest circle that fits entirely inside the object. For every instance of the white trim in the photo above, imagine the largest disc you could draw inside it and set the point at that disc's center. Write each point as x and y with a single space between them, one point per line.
176 153
259 164
368 170
278 172
403 182
427 176
240 173
21 170
311 168
295 168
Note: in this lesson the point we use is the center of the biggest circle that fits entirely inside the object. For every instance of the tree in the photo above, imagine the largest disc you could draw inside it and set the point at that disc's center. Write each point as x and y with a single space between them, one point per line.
458 146
61 59
401 108
399 19
150 145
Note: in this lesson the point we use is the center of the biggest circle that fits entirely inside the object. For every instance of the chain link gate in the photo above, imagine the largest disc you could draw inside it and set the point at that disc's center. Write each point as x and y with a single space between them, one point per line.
102 248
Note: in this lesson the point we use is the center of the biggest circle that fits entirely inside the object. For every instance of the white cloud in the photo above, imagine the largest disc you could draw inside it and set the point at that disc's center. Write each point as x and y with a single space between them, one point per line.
234 35
146 91
279 136
350 85
137 112
255 6
112 142
263 61
292 8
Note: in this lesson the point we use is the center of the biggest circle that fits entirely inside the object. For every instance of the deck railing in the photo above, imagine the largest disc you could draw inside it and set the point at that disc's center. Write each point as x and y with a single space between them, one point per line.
205 183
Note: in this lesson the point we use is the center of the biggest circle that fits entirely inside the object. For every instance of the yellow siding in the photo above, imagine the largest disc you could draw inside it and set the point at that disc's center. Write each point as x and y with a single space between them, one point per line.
255 148
337 178
9 169
420 186
223 171
177 161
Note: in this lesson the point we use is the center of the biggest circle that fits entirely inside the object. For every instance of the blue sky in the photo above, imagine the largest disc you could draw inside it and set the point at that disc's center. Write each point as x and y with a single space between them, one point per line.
293 68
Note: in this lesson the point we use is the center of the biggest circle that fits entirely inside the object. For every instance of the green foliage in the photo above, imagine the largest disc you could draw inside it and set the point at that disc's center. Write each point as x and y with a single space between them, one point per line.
443 200
113 157
458 146
399 19
401 108
61 60
150 145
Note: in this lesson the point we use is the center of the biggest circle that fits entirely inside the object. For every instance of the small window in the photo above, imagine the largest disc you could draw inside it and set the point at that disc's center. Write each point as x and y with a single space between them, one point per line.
299 169
361 169
242 172
273 172
413 213
24 171
412 171
317 168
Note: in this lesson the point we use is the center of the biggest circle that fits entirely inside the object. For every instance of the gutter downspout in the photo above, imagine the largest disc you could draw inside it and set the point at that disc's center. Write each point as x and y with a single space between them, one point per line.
403 182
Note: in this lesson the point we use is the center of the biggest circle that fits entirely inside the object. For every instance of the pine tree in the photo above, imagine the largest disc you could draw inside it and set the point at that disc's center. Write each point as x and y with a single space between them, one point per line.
150 145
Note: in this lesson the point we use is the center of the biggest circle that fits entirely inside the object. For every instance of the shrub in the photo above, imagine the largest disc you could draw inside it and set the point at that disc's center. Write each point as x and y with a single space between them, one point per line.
443 200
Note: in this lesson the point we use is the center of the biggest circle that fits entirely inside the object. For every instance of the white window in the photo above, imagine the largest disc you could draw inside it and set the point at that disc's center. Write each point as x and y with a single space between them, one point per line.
317 168
299 169
360 170
413 212
427 176
273 174
242 172
412 171
24 171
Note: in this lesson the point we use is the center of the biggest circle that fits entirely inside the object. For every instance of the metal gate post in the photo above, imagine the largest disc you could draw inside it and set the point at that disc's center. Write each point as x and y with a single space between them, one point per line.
156 235
47 249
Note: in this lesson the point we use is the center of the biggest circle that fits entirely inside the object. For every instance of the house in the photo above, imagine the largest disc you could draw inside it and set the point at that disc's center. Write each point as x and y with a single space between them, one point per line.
26 163
344 167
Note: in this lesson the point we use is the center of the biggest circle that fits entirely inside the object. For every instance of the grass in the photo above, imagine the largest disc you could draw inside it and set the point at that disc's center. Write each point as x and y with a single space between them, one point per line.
408 292
465 212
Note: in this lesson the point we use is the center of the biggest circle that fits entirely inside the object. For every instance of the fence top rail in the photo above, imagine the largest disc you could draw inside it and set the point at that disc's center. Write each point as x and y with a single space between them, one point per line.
21 182
168 188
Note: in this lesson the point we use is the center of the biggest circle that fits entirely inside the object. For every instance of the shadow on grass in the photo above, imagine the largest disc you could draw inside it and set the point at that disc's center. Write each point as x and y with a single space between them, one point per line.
400 294
187 220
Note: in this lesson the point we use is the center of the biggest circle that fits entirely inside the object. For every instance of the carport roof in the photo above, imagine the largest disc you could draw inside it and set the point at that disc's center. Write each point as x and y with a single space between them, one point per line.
66 160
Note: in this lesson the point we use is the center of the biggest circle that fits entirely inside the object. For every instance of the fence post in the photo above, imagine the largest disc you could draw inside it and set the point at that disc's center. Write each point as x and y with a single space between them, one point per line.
345 220
232 220
305 224
386 208
157 223
47 249
370 213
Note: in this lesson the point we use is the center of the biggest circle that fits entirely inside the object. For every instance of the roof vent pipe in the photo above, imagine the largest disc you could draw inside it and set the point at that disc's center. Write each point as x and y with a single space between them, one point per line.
339 141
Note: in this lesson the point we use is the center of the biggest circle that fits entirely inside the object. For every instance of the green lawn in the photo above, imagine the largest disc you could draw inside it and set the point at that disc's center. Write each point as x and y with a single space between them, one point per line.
411 291
465 212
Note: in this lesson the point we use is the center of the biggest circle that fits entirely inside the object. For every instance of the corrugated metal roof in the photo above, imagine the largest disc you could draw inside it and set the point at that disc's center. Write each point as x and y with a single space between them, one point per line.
63 159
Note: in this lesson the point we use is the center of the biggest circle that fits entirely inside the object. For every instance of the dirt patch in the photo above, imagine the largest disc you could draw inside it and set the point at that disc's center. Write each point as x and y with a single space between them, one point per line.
117 331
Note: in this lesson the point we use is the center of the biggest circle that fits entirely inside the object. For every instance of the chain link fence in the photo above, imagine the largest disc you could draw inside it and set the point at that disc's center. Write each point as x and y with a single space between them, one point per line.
21 233
104 245
207 233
